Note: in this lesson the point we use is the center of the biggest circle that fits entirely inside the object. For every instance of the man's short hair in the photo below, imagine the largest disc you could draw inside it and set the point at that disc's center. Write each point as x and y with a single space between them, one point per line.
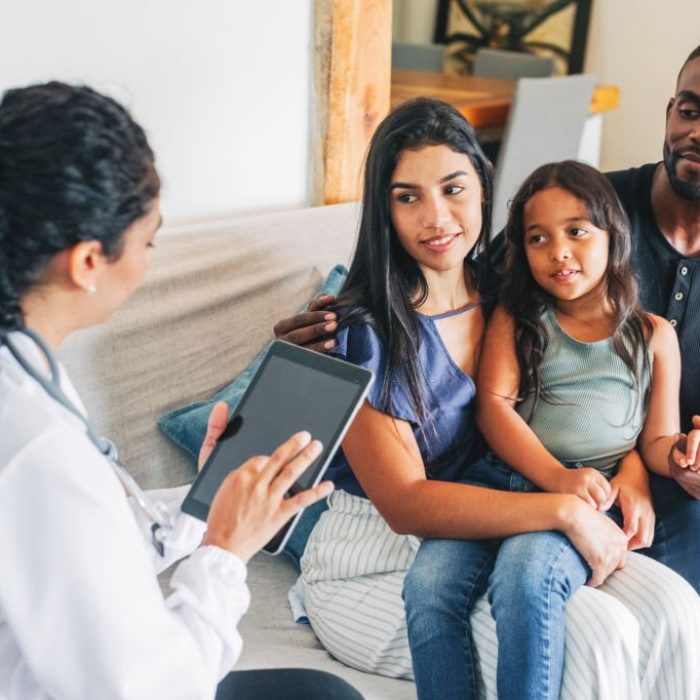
695 53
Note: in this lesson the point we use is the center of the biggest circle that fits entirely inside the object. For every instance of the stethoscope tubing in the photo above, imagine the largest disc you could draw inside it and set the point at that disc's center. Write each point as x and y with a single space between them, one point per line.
157 515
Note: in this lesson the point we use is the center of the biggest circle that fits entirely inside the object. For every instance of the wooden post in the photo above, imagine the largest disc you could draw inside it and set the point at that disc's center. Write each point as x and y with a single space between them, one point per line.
353 86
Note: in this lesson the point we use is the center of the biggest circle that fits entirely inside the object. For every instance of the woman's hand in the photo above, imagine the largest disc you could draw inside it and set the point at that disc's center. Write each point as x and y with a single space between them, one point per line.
598 540
312 329
250 505
586 483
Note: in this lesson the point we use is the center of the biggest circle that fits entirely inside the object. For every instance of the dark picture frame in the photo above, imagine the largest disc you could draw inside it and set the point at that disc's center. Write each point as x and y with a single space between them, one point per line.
509 26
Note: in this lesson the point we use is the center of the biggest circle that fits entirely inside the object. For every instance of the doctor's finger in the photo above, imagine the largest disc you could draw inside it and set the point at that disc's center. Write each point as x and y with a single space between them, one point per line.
293 469
218 420
286 452
291 506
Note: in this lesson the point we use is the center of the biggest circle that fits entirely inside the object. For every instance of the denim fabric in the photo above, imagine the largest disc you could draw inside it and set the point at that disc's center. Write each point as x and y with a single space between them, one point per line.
444 582
530 577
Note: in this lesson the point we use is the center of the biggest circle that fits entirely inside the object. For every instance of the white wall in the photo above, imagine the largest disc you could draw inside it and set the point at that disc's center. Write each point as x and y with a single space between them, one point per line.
639 45
221 86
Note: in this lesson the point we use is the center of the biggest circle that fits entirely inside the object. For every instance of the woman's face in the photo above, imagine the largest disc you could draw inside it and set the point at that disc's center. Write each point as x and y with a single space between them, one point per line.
435 200
120 277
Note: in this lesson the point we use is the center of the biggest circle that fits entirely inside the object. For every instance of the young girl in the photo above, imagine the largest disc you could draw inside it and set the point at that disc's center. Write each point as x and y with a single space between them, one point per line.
573 373
413 311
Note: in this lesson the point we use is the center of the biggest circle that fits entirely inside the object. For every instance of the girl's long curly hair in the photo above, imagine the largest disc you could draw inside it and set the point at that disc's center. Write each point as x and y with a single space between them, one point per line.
526 301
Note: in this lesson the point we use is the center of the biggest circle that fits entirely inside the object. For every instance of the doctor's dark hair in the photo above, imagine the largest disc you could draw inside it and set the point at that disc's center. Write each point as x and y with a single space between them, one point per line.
526 301
74 166
384 284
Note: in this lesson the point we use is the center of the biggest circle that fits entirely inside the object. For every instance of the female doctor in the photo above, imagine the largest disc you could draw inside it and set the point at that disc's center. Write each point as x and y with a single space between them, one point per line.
81 612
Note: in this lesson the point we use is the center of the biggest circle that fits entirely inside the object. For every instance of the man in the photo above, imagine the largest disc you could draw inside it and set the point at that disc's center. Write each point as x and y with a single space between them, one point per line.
662 201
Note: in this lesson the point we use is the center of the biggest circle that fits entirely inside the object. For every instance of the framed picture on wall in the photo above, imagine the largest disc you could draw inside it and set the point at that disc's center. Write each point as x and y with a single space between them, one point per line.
556 28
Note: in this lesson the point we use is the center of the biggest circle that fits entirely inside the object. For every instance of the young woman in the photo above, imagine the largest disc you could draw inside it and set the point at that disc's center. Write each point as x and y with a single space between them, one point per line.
81 612
413 310
565 381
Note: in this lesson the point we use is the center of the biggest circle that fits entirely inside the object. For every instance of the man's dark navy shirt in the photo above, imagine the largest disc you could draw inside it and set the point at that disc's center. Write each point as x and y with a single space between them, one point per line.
669 284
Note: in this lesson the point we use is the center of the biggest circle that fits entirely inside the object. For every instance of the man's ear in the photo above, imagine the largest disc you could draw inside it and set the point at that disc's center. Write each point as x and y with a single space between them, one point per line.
85 260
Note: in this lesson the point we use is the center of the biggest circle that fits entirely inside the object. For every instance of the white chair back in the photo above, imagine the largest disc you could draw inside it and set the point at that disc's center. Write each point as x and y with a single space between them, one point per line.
545 124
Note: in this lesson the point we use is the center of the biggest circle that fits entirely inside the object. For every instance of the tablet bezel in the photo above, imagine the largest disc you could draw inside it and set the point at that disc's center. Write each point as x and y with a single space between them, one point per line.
310 359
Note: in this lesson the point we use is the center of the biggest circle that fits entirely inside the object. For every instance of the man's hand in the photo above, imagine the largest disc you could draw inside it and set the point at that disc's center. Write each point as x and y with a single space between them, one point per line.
586 483
688 478
312 329
684 452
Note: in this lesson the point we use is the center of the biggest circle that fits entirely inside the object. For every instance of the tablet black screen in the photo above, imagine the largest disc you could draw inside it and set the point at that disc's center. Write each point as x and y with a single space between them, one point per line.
285 398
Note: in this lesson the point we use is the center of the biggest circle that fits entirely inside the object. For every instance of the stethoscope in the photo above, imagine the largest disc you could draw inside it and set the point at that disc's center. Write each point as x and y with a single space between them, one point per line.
156 513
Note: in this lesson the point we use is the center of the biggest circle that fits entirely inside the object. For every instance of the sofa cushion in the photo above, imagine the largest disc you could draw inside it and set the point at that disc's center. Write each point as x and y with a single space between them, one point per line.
210 301
187 426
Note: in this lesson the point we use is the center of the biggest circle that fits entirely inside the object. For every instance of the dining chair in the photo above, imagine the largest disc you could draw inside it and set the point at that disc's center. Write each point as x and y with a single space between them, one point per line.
545 123
417 56
495 63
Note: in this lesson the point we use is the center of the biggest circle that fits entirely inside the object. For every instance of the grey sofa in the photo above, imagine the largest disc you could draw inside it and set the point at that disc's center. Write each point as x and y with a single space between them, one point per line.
212 296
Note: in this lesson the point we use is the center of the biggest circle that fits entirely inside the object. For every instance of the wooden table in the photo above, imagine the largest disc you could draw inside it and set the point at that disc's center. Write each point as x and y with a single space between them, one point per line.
485 102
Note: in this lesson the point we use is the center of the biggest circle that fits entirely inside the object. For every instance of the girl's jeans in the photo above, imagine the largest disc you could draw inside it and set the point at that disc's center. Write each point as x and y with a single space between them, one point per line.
529 579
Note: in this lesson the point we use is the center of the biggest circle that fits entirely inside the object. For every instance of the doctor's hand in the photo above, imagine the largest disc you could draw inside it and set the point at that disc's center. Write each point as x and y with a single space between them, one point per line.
250 506
312 329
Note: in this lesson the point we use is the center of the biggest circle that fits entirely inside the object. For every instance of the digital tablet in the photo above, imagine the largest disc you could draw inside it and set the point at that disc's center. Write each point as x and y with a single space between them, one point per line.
294 389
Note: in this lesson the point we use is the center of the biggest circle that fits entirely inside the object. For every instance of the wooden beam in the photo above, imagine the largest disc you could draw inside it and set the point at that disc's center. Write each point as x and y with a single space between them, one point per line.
358 79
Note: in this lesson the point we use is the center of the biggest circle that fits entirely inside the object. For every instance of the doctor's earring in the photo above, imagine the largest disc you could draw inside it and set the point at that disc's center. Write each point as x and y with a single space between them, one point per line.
90 289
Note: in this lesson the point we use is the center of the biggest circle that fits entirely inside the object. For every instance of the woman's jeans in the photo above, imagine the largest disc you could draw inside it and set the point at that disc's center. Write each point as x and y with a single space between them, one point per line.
529 579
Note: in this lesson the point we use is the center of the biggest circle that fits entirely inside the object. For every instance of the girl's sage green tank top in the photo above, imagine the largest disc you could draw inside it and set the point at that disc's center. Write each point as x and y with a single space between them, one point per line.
594 408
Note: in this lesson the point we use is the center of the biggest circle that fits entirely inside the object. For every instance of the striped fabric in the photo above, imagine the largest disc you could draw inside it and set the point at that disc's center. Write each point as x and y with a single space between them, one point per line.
638 636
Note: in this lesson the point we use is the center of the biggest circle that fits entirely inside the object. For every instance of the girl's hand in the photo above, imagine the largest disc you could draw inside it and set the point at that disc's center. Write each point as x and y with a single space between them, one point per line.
251 505
638 517
684 452
598 540
586 483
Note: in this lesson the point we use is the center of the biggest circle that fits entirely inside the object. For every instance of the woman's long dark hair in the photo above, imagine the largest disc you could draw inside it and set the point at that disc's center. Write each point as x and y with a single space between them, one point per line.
384 284
526 301
74 166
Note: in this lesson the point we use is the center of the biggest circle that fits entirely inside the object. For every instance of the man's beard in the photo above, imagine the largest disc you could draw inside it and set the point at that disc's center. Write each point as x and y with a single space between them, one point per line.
685 189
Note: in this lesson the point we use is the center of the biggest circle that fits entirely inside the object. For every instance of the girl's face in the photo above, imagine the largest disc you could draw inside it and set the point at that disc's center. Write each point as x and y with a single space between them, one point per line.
567 254
435 205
